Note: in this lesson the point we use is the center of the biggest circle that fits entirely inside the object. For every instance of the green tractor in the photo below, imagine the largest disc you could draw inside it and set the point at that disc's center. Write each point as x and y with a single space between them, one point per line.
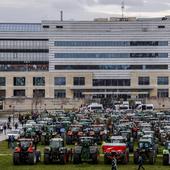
56 152
147 150
86 151
166 154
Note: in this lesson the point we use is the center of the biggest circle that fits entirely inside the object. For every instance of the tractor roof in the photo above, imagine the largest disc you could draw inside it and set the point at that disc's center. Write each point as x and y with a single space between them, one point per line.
117 137
56 139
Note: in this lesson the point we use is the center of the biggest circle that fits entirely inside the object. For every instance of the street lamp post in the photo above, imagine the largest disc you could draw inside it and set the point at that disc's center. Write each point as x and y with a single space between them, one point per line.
13 107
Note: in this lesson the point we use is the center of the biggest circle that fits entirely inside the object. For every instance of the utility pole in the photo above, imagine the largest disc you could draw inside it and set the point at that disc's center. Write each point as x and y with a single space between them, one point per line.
61 15
123 8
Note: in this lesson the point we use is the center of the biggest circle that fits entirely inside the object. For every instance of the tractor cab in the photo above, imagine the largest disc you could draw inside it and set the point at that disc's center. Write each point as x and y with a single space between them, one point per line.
86 141
56 143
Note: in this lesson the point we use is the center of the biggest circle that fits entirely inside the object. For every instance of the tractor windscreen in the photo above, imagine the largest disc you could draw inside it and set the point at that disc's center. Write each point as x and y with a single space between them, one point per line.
144 145
25 144
55 144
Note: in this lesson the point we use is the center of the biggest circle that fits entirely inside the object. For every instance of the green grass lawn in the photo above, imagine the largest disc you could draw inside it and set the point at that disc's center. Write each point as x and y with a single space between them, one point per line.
7 164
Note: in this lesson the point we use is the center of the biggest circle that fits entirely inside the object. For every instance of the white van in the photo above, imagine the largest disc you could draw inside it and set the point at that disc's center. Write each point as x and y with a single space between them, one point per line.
145 107
95 107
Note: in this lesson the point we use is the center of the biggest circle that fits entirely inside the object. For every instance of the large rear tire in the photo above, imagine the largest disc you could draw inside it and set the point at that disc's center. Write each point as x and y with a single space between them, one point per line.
151 159
76 158
94 158
46 158
16 159
166 159
135 158
106 160
63 159
32 159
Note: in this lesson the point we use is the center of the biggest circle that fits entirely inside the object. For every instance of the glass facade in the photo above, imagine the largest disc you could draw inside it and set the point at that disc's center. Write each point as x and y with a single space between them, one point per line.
18 93
163 93
143 96
59 81
19 81
111 67
38 93
162 80
143 81
110 43
39 81
79 81
20 27
59 93
78 94
111 55
2 81
111 82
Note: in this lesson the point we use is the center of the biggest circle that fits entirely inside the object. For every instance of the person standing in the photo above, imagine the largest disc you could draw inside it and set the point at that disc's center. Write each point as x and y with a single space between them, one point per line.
140 162
4 128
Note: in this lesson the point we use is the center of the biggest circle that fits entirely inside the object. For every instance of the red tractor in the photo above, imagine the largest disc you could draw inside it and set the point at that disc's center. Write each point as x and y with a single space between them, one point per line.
118 147
26 153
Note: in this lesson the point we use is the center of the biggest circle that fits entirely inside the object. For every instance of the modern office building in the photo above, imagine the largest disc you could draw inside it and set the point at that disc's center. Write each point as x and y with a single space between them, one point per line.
105 58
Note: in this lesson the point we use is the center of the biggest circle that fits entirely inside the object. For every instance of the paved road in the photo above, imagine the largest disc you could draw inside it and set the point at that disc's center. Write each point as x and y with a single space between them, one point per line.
5 119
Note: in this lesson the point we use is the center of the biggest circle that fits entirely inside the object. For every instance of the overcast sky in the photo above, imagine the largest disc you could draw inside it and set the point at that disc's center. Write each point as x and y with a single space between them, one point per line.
37 10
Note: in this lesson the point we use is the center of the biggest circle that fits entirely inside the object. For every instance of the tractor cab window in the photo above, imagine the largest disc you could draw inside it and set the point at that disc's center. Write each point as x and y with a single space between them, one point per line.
25 144
56 144
144 145
168 146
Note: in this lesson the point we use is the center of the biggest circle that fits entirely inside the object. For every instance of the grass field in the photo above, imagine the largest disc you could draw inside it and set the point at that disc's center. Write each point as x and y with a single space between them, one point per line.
6 164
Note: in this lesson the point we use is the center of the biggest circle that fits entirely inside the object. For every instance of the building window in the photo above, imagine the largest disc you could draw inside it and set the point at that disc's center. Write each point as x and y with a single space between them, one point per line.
163 81
143 81
111 67
79 81
163 93
143 96
2 94
59 93
39 81
59 81
111 55
19 81
111 82
78 94
18 93
2 81
38 93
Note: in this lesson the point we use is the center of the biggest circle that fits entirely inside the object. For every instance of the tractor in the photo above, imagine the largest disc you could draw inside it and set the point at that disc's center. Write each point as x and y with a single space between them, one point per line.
56 152
25 152
116 145
147 150
86 151
166 154
74 132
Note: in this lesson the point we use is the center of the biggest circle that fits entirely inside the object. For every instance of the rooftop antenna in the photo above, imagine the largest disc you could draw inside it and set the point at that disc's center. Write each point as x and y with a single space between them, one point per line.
61 15
122 7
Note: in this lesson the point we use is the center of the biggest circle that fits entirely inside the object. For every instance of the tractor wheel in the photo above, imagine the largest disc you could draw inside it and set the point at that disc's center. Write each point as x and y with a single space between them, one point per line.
63 159
38 155
32 158
165 159
151 158
16 159
46 158
76 158
106 160
136 156
94 158
131 148
68 140
126 158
